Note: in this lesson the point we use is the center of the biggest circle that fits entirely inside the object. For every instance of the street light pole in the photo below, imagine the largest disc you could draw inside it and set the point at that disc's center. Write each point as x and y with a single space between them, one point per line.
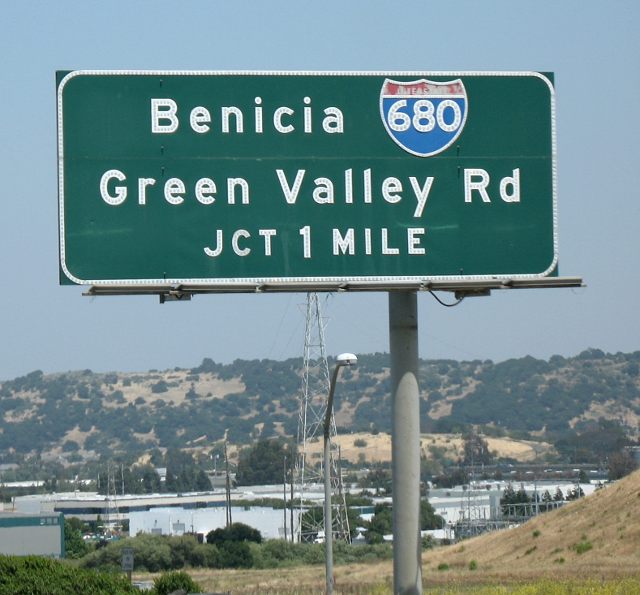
345 359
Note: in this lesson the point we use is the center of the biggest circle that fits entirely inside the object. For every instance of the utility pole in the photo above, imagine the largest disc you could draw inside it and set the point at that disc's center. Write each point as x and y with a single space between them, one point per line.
228 485
293 538
284 494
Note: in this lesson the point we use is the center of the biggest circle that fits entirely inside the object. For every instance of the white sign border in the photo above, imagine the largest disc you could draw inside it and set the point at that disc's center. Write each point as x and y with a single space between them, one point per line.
322 282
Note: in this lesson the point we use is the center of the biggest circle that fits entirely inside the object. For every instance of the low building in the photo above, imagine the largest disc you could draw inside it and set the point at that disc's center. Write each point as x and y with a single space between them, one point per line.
32 534
89 506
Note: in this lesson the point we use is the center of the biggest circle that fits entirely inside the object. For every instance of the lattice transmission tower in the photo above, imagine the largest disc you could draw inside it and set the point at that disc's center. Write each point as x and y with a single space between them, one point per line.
313 407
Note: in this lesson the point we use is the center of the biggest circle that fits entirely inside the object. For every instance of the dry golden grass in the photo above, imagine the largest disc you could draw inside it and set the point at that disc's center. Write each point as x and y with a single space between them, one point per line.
178 385
378 447
352 578
377 579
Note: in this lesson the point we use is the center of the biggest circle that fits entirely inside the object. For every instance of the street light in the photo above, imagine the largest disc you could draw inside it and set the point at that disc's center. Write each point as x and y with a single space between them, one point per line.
344 359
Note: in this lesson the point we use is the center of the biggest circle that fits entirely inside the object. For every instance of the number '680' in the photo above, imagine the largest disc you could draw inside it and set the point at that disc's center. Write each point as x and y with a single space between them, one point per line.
447 116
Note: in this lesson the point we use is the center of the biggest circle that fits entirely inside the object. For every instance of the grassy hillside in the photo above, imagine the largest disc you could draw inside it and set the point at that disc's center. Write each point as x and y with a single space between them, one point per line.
597 536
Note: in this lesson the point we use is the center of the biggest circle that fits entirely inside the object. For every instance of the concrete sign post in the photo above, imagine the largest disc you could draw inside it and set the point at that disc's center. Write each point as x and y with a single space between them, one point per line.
405 442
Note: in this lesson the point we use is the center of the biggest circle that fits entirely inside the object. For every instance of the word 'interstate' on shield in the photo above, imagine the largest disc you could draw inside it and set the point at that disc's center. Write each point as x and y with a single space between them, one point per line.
229 179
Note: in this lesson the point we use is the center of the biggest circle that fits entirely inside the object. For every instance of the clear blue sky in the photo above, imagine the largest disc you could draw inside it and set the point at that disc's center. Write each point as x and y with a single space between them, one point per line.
592 46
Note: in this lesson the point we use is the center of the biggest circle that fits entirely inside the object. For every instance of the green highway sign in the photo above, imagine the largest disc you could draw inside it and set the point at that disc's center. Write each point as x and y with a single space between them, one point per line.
324 178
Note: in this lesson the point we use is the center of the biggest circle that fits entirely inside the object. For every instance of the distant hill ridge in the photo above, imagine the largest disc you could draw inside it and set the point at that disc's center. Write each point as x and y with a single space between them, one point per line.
82 414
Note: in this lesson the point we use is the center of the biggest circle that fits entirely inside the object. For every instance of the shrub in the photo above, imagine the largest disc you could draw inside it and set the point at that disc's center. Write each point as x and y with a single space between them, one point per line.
235 532
277 553
70 446
313 554
159 387
174 581
235 554
182 549
443 566
473 565
344 553
427 542
205 556
582 547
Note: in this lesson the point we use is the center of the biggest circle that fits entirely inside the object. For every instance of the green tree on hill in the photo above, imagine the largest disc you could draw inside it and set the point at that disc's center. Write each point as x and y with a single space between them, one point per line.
428 517
74 545
233 544
263 463
621 464
234 532
476 449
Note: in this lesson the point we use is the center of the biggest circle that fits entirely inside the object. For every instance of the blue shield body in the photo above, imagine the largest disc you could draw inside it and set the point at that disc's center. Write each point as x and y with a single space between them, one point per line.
423 117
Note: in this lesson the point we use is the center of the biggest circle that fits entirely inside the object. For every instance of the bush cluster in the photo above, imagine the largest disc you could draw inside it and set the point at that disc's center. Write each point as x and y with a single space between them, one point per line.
155 553
33 575
158 553
175 581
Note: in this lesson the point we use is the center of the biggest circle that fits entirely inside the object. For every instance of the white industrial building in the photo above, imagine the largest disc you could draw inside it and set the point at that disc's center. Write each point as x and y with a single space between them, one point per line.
481 500
175 514
177 521
199 512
